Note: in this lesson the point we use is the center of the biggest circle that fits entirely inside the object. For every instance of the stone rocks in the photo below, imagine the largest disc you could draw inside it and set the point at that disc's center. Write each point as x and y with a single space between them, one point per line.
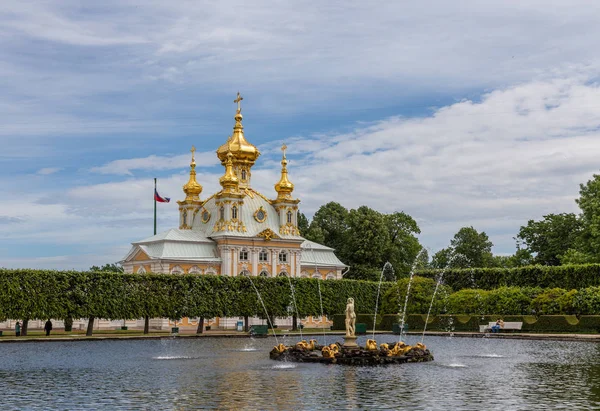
350 356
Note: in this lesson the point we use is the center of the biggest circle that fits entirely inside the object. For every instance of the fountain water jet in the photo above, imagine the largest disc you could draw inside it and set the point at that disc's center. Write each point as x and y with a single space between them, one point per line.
294 300
264 308
412 274
312 251
387 264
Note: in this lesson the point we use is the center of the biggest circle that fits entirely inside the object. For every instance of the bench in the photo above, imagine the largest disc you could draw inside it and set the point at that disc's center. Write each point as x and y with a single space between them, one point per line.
508 326
259 330
360 329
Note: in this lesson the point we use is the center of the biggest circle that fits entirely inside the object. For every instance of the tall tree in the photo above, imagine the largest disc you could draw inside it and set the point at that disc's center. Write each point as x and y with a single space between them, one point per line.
331 220
403 246
589 203
551 237
367 242
302 223
471 249
110 268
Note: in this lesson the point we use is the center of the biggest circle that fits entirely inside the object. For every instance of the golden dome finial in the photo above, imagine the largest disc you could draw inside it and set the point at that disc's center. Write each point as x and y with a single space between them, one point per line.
238 101
284 187
229 181
192 189
242 150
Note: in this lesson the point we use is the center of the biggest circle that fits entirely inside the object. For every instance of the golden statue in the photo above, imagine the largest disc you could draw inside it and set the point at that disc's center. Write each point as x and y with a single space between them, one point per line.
371 345
421 346
302 345
350 318
280 348
327 352
334 348
311 345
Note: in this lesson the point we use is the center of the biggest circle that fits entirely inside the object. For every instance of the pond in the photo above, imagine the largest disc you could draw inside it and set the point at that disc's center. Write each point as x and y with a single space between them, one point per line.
231 373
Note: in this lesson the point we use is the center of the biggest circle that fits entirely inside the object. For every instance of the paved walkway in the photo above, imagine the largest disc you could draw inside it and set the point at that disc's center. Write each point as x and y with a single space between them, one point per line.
237 334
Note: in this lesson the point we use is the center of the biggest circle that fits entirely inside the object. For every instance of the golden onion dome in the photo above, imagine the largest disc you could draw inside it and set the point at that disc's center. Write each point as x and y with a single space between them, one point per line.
237 143
284 187
229 181
192 188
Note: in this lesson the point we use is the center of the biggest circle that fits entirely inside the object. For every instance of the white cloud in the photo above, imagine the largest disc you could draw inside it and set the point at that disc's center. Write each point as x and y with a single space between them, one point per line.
48 170
153 162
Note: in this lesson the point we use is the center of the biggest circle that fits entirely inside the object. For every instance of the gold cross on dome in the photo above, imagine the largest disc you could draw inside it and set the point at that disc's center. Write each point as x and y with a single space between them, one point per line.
238 100
283 148
193 150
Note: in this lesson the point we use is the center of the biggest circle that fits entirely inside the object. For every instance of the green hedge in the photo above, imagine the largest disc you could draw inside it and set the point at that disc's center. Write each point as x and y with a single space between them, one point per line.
566 276
42 294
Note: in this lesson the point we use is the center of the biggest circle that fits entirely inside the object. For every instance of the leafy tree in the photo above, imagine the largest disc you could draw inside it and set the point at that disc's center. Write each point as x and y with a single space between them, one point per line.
314 233
368 238
422 261
441 259
107 268
403 247
589 203
471 249
331 219
302 223
551 237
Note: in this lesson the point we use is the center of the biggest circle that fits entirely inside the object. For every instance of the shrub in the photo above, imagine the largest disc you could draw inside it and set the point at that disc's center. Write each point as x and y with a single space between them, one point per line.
468 301
508 300
419 299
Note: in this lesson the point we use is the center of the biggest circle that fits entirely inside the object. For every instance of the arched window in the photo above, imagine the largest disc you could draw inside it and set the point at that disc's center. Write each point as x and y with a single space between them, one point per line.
304 274
244 255
211 271
245 273
289 217
222 213
195 270
263 256
177 270
316 275
243 175
264 273
141 270
282 274
283 257
331 276
234 213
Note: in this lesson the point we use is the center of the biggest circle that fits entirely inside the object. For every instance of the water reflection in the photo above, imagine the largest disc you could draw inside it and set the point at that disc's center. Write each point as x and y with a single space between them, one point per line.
467 374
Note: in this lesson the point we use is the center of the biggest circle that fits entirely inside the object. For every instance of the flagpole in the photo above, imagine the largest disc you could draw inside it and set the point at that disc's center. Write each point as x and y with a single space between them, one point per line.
154 196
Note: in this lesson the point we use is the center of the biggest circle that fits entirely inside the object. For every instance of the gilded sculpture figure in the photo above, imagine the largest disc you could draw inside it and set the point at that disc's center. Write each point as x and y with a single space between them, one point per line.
350 318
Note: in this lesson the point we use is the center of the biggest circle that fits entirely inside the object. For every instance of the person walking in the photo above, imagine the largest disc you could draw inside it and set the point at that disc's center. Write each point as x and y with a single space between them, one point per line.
18 329
48 327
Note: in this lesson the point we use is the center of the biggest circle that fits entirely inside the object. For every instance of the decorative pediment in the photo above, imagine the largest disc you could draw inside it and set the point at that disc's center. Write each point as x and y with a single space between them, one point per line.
267 234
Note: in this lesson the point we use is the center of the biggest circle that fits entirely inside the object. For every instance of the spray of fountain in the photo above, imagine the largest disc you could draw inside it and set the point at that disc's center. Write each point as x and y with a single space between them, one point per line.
294 300
437 285
312 252
387 264
410 279
264 308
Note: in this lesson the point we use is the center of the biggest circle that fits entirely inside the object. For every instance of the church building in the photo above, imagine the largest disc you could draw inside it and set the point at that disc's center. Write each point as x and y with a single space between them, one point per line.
238 230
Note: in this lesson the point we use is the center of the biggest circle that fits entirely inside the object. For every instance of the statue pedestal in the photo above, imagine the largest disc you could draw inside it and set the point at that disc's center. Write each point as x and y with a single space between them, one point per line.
350 342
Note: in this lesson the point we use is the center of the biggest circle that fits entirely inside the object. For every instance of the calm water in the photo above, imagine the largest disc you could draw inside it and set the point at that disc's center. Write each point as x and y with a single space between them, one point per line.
467 374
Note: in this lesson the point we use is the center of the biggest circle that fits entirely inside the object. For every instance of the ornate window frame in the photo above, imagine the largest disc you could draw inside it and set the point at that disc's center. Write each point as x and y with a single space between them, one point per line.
243 254
264 273
261 253
258 210
282 257
205 215
177 270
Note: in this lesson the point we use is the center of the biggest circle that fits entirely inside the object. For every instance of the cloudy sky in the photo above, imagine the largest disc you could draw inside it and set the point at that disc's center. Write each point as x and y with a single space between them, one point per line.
458 113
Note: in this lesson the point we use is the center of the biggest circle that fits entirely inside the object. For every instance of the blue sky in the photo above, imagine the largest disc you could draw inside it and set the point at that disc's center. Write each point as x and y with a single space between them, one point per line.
471 113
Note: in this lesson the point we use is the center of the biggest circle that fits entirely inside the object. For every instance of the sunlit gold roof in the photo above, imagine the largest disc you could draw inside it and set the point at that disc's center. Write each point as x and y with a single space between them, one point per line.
192 188
237 143
284 187
229 181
